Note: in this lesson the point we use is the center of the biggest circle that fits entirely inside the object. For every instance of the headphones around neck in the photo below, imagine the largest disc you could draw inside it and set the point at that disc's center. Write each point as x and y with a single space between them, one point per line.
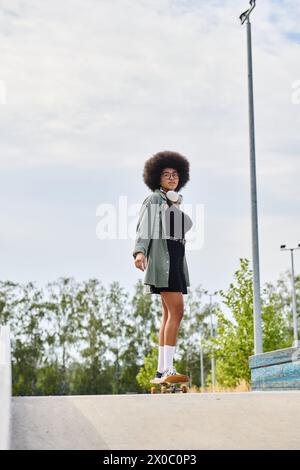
173 196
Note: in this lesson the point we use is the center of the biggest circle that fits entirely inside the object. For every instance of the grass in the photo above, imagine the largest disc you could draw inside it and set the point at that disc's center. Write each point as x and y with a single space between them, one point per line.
242 386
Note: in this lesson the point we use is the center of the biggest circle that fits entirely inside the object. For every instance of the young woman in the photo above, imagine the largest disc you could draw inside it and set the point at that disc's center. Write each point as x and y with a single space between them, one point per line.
160 250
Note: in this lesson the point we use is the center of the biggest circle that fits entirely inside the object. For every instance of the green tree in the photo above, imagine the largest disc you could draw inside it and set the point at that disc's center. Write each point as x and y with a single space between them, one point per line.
92 339
116 323
234 342
62 327
28 338
279 295
148 369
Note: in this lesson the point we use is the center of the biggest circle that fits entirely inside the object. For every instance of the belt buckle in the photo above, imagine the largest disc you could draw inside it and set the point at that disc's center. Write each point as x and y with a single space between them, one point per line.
181 240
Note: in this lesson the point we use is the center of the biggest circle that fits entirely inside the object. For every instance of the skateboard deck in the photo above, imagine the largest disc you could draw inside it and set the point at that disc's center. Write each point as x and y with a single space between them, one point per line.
171 387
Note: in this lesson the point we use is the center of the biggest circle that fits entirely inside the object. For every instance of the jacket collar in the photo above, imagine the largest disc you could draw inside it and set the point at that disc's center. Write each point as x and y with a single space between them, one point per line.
161 193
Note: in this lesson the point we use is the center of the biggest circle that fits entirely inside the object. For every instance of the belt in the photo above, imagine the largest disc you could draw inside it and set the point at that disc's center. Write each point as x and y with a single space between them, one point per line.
181 240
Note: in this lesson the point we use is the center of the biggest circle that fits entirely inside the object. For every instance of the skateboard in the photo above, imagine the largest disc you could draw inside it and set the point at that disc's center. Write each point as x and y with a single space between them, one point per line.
171 387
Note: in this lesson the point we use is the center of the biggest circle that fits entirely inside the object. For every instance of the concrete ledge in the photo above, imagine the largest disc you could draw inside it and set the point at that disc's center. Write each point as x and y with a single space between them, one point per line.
276 370
5 387
249 420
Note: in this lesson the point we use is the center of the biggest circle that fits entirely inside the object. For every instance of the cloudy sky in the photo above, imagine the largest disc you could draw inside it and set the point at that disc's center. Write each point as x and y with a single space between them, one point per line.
92 88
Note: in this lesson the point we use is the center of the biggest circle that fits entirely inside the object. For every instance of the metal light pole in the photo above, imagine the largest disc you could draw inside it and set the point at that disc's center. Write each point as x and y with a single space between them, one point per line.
295 320
255 247
213 369
201 362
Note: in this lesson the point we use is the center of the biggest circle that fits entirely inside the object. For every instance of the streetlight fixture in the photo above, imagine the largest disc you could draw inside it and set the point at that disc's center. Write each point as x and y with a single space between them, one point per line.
258 349
245 16
295 320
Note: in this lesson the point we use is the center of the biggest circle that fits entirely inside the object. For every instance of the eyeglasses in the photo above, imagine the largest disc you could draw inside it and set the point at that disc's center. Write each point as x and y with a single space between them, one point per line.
168 175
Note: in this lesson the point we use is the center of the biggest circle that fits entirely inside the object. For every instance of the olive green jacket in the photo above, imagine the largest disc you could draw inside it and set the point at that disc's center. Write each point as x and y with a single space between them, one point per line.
151 240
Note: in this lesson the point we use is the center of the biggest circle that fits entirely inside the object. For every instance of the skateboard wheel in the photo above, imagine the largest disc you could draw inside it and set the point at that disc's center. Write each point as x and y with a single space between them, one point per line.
153 390
163 389
184 389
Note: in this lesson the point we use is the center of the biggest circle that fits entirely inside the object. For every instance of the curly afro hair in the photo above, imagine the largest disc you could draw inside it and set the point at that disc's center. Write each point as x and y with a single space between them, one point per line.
166 159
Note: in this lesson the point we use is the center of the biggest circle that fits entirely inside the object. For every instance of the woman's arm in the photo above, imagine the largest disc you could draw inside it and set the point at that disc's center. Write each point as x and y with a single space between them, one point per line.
145 225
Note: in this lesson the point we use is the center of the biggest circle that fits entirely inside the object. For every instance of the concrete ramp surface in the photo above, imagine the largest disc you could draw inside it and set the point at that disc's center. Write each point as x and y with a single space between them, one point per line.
255 420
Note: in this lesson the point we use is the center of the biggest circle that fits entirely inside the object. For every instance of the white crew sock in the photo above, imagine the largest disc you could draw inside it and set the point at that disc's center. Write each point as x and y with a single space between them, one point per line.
160 366
168 356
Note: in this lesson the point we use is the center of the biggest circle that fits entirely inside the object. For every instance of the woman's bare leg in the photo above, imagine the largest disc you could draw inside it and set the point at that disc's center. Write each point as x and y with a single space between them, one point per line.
163 322
175 307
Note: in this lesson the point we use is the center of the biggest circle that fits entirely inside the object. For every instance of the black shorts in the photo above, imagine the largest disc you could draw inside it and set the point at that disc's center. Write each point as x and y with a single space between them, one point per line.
177 281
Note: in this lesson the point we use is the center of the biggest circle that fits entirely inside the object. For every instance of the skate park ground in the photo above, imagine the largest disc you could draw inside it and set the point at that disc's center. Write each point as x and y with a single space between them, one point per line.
248 420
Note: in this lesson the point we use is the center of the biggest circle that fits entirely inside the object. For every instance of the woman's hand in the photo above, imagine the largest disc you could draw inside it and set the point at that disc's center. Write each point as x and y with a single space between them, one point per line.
140 261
